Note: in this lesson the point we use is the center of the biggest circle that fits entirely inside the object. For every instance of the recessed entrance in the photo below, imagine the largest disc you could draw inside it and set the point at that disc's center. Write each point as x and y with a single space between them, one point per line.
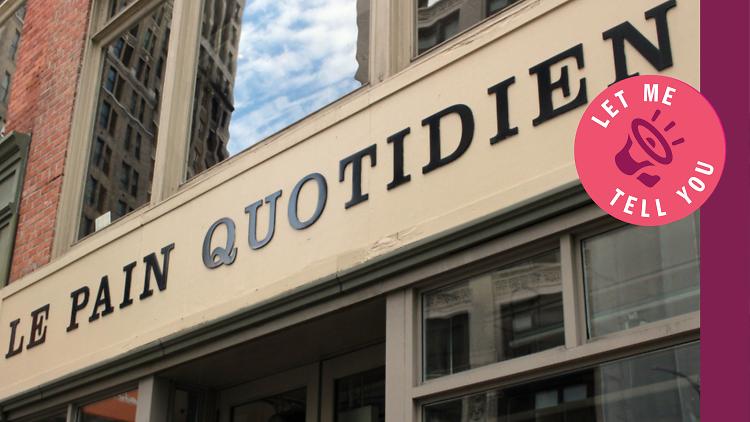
330 369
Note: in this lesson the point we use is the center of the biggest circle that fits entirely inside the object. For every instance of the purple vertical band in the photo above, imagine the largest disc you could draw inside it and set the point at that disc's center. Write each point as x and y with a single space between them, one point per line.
725 218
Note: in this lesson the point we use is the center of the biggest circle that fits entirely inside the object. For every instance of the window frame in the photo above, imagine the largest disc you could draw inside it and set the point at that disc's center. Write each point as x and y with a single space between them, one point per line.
567 231
105 32
392 44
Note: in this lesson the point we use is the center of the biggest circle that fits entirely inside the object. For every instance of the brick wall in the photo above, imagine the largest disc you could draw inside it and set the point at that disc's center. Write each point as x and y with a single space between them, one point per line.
41 104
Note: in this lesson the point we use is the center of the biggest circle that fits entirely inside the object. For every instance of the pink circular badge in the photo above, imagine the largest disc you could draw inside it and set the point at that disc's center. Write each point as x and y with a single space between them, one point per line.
650 150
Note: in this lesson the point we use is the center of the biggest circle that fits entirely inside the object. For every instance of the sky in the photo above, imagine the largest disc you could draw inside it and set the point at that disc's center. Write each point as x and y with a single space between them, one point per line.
294 58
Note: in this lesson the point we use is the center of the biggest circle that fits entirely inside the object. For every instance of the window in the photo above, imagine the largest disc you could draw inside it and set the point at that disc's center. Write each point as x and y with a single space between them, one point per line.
142 110
139 69
21 13
121 407
124 176
102 202
521 334
160 68
113 124
117 51
610 391
4 86
11 32
98 150
104 115
260 100
147 38
134 184
91 191
147 75
127 55
14 45
107 159
637 275
151 47
443 29
133 103
513 311
128 136
87 227
137 151
111 79
122 208
440 20
134 63
117 5
361 397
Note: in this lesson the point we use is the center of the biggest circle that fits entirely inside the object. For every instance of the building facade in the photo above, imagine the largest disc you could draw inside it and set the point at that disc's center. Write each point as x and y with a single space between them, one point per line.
418 250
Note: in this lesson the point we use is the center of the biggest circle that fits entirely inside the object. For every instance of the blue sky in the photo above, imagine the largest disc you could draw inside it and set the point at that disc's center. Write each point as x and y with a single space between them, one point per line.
294 57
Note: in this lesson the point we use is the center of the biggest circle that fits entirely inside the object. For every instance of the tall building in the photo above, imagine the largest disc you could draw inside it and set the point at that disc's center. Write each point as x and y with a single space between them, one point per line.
417 249
214 100
123 149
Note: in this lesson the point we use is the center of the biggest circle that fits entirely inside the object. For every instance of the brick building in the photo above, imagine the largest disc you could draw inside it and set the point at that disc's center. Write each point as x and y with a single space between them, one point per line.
260 262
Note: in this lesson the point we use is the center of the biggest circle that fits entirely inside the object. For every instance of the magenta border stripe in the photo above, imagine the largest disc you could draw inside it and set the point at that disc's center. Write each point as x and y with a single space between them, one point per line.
725 218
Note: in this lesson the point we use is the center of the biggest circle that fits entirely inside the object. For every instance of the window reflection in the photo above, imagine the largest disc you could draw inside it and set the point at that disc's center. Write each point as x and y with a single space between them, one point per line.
264 65
120 408
11 32
510 312
637 275
116 6
124 140
658 386
361 397
440 20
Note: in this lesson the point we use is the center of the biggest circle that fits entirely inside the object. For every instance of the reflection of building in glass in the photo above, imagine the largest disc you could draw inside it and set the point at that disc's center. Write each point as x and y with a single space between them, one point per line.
440 20
123 148
650 387
214 100
10 38
509 313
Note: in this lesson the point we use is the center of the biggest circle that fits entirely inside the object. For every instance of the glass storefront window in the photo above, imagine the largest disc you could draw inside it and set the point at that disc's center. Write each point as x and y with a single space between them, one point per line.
636 275
11 33
127 121
264 65
286 407
507 313
361 397
440 20
120 408
659 386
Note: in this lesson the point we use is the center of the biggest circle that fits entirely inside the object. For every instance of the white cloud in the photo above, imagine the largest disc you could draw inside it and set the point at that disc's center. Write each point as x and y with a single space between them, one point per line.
297 57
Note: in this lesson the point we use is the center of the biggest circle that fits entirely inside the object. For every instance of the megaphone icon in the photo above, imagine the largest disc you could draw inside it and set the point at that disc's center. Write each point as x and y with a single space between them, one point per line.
630 166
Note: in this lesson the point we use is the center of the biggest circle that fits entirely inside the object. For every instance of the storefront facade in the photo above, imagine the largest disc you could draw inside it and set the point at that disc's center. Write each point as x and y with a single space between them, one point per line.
418 250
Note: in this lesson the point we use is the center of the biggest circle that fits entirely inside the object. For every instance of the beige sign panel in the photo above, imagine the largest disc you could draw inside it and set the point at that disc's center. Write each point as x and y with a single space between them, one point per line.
485 178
